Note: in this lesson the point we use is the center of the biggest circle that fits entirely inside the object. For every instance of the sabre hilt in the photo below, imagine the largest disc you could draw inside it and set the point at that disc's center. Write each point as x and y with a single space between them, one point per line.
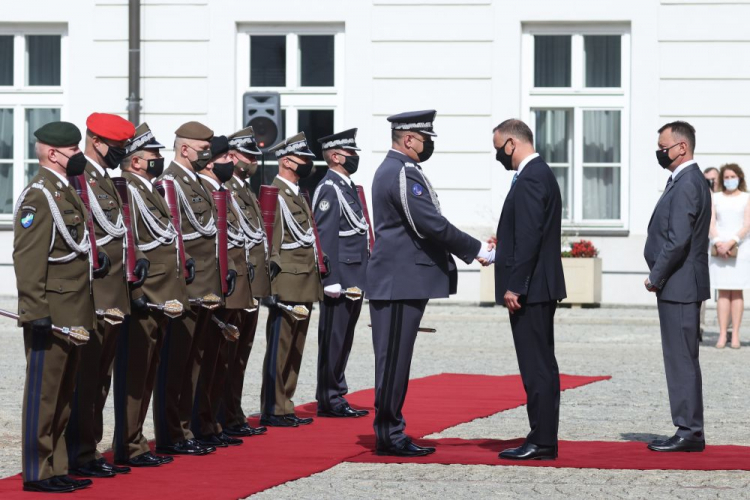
230 332
113 315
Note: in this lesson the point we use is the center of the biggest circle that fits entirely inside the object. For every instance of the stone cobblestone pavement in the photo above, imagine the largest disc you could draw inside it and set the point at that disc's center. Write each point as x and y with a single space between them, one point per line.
618 341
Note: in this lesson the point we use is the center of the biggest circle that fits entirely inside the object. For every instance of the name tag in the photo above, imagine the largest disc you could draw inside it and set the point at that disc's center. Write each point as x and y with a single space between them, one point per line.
102 196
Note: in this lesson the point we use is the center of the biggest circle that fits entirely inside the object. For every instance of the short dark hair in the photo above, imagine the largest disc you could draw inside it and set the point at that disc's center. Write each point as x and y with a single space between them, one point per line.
515 128
711 169
738 172
683 130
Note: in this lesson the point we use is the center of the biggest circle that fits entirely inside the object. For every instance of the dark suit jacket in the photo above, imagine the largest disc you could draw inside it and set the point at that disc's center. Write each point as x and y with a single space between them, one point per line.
677 245
347 254
403 265
528 238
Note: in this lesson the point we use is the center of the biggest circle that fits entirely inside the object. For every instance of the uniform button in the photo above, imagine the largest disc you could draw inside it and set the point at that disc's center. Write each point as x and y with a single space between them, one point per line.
59 289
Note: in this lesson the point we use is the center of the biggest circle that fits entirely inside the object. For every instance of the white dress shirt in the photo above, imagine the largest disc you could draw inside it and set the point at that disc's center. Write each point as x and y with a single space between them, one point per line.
98 167
294 187
526 162
59 176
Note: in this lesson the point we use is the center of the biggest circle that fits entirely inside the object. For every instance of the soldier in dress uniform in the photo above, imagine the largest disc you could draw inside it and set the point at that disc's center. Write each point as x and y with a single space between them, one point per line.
141 338
51 260
213 370
344 237
295 280
243 152
177 376
411 263
106 136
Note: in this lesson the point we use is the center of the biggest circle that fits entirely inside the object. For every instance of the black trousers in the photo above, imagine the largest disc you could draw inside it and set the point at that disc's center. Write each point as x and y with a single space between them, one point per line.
534 338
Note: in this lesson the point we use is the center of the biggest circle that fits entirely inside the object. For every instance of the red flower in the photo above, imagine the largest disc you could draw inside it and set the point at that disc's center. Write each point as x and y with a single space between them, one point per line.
583 249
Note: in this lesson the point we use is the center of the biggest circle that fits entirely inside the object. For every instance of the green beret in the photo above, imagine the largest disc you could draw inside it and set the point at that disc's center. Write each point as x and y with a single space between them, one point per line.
194 130
60 134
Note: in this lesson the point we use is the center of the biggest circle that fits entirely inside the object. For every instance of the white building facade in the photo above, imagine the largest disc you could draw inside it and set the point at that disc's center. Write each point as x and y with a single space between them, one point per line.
594 79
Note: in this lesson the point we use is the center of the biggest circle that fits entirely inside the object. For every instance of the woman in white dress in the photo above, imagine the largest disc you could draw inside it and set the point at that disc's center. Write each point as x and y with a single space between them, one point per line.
729 263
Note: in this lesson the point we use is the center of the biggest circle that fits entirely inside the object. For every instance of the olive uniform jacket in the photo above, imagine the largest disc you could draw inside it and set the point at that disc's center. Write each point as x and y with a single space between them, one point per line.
166 278
242 298
249 205
203 248
60 290
299 279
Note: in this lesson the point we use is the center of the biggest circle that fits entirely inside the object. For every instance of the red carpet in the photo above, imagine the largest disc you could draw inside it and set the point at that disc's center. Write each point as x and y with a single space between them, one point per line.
578 455
433 404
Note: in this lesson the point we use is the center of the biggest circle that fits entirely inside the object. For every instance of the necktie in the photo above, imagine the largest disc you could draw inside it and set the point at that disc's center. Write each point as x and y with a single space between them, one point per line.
669 181
515 176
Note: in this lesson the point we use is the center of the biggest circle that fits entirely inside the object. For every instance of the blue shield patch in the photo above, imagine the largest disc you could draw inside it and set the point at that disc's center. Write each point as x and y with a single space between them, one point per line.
27 218
417 189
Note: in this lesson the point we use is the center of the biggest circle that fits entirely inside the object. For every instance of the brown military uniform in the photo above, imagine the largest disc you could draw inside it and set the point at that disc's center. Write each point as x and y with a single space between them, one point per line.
61 291
140 342
297 283
238 353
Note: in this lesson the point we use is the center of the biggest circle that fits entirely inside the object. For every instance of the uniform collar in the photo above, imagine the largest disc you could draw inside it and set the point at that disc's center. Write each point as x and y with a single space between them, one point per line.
98 167
61 177
145 182
526 161
682 167
292 186
213 182
191 174
348 180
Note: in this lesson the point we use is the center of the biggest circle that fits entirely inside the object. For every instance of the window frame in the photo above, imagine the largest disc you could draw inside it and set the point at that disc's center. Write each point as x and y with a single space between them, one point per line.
19 97
577 98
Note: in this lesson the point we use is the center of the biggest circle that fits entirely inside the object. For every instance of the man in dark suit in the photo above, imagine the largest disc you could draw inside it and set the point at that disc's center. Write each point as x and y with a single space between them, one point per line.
529 281
411 263
677 255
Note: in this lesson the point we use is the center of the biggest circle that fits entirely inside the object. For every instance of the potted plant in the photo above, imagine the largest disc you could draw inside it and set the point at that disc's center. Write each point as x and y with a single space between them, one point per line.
583 274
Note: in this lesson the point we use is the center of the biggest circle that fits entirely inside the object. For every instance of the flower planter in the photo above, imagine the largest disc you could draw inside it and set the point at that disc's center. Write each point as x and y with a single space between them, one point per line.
583 280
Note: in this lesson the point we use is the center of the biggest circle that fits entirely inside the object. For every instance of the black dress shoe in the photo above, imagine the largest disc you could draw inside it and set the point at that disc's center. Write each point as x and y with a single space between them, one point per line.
142 460
164 459
203 449
211 441
405 449
49 485
341 411
676 443
428 449
299 421
257 431
361 413
277 421
76 484
188 447
228 440
93 468
530 451
239 431
117 469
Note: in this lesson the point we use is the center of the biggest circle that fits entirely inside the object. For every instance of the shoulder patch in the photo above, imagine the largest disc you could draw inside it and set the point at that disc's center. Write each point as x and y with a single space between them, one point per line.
324 205
27 218
417 189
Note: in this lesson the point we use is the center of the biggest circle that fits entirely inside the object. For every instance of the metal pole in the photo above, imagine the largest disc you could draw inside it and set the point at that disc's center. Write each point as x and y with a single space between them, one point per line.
134 61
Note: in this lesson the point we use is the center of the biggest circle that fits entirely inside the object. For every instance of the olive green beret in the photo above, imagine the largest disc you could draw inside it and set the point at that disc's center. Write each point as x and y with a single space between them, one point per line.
194 130
60 134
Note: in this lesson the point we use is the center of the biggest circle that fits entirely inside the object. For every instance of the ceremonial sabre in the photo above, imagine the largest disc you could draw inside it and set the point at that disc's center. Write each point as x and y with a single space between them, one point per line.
230 332
113 315
353 293
121 184
171 308
220 200
318 248
422 329
366 213
166 189
268 199
79 184
298 312
210 301
78 335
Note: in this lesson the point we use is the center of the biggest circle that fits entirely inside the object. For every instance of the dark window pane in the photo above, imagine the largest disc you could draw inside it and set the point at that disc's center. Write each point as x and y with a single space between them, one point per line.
316 58
552 135
268 61
43 57
6 134
552 61
35 118
6 188
6 60
603 60
315 124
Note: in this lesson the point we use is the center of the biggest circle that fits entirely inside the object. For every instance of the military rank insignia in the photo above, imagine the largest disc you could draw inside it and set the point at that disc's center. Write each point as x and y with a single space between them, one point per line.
27 218
92 181
57 195
417 189
324 205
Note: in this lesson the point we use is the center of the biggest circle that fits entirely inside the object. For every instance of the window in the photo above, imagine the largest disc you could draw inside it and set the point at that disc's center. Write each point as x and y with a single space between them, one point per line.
576 96
303 64
32 73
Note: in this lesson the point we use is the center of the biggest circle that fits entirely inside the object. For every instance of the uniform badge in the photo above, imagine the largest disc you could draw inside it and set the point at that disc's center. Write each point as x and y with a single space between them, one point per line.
417 189
76 219
342 183
27 218
324 205
288 192
92 181
185 179
57 195
93 173
59 185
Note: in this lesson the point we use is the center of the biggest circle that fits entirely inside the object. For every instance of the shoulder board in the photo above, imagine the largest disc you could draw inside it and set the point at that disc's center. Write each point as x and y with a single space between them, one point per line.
409 164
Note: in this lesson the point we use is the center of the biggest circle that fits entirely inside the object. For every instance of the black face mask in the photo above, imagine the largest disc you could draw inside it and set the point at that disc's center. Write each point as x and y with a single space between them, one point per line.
505 158
303 169
427 150
155 167
662 156
113 157
76 163
351 164
204 158
223 171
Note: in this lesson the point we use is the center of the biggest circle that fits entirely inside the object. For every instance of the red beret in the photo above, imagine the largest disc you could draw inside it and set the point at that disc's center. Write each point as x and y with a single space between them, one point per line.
112 127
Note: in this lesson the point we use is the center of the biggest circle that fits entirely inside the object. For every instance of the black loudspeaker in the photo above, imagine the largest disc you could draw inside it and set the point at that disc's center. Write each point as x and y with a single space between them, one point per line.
262 111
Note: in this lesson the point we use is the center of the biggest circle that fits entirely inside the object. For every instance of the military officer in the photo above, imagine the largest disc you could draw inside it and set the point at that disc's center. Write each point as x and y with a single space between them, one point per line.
106 135
213 369
177 377
344 235
141 337
411 263
295 280
52 265
243 152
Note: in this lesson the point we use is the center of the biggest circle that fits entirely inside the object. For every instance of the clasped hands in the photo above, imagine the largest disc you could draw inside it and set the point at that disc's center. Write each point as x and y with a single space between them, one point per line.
487 256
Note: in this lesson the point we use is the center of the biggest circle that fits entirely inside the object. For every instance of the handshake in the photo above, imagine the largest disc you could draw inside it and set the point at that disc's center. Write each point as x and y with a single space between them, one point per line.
486 256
